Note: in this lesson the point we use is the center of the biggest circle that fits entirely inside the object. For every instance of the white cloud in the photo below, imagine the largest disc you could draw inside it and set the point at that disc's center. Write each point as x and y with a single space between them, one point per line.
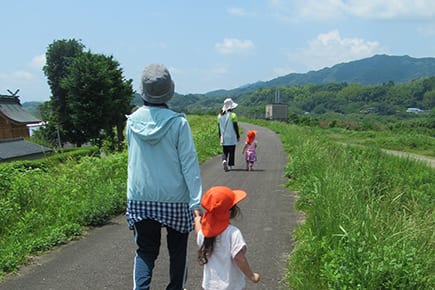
391 9
20 78
22 75
297 10
319 10
29 79
234 46
38 62
17 76
330 48
238 11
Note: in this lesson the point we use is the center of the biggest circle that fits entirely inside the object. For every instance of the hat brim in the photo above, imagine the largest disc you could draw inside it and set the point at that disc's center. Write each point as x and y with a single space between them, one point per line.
233 106
239 195
159 99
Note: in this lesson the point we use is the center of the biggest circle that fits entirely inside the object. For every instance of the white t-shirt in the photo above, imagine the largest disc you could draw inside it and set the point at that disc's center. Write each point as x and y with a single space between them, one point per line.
221 272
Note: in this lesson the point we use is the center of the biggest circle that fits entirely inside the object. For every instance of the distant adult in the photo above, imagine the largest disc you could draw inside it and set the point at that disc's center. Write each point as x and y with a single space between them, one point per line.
228 133
164 185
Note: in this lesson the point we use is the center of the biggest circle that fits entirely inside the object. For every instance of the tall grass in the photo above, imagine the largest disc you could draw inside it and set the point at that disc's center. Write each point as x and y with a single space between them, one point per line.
43 208
205 135
369 216
403 141
43 204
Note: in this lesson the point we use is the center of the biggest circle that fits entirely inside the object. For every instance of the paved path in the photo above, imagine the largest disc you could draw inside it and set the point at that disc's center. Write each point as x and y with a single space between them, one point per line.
426 159
103 259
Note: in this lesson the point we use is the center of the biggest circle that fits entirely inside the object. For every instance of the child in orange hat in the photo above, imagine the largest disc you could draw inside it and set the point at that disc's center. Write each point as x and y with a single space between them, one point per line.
222 247
250 149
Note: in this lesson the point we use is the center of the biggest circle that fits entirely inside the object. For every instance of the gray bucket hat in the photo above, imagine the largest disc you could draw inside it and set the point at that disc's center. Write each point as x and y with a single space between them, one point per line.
157 84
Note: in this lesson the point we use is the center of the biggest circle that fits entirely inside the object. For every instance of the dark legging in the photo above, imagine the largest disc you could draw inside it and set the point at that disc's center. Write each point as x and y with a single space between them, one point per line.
147 235
228 155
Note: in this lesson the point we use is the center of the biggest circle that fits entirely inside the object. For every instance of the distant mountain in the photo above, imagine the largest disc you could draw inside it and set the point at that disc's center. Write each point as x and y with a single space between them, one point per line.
374 70
32 108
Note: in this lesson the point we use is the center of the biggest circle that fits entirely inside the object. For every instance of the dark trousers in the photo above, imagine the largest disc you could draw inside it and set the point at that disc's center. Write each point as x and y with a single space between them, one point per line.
147 234
228 155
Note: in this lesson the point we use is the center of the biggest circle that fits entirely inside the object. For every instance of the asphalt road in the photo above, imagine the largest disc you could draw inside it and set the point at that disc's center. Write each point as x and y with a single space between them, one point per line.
103 258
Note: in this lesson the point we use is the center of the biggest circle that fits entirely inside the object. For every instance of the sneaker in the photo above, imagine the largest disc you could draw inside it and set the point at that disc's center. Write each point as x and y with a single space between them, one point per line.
229 168
224 163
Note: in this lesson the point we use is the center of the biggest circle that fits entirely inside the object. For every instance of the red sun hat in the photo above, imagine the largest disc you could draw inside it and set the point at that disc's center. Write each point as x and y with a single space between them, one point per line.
217 202
250 136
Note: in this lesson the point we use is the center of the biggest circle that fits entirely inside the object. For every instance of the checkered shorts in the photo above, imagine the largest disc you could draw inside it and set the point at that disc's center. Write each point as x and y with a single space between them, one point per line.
177 216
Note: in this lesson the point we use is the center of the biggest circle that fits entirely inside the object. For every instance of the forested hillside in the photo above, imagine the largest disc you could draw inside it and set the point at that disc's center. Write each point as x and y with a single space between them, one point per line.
385 85
342 98
369 71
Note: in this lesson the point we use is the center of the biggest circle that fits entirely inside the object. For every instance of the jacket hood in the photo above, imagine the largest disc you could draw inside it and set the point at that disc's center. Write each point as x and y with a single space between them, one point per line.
151 123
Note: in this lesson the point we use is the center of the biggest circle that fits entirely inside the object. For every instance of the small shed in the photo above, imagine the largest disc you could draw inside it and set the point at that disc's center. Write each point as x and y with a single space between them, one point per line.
20 149
277 111
14 119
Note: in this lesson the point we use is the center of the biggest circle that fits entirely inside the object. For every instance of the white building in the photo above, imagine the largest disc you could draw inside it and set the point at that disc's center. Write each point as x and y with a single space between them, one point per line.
277 112
414 110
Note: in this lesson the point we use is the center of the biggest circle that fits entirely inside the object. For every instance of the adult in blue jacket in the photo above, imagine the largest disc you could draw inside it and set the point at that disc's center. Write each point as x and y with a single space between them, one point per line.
164 184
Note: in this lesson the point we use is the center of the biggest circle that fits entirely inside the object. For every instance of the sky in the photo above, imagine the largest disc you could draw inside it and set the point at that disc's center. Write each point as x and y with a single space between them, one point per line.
209 45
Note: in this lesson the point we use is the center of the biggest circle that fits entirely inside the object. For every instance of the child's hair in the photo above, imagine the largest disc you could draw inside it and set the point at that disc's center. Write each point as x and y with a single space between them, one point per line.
206 249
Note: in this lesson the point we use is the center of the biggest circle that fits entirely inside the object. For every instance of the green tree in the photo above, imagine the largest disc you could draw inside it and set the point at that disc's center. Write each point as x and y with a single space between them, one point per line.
98 99
428 101
59 56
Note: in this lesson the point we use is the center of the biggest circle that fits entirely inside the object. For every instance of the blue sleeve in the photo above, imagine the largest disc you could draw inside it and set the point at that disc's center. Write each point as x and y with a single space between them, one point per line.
190 165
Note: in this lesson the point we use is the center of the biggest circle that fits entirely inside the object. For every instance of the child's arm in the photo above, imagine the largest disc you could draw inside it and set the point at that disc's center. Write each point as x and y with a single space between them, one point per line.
197 222
244 148
243 264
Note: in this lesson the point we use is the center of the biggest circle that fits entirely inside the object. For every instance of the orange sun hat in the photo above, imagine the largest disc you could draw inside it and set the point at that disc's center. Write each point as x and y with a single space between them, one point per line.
217 202
250 136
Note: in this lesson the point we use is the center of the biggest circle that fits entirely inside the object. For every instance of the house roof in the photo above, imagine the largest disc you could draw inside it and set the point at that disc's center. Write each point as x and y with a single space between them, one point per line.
11 108
15 148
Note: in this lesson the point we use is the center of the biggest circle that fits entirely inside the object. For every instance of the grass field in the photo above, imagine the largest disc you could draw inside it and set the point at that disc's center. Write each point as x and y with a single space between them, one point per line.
369 216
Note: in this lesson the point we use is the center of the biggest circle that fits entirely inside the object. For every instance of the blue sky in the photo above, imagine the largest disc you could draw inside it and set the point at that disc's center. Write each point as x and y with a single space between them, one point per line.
209 45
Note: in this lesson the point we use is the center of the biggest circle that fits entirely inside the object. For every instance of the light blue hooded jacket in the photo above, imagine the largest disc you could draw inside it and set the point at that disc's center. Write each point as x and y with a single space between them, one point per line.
162 160
226 128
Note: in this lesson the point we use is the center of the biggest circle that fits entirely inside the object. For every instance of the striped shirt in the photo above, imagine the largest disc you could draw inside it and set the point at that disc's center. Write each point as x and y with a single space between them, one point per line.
177 216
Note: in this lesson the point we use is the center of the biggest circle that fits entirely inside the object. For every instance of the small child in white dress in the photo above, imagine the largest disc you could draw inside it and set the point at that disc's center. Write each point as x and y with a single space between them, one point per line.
222 247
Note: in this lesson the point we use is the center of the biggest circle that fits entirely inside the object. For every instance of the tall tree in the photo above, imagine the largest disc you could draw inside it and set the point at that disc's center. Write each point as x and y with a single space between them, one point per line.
59 56
98 98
